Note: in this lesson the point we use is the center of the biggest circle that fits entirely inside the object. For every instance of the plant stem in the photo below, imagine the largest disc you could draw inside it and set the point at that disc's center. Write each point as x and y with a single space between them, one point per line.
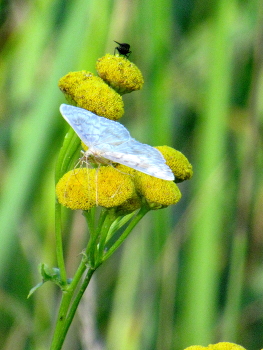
74 307
59 334
57 340
59 245
143 211
103 237
92 256
67 312
67 151
67 154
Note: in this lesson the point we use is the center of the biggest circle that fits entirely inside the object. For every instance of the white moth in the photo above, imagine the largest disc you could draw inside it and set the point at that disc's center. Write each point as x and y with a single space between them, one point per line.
110 140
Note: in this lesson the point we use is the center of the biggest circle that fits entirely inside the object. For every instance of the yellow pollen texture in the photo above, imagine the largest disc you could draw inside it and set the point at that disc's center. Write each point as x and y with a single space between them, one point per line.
157 191
218 346
121 74
76 189
114 187
178 163
90 92
84 188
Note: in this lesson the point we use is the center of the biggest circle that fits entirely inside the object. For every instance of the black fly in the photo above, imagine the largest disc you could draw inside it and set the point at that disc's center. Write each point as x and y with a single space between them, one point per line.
123 49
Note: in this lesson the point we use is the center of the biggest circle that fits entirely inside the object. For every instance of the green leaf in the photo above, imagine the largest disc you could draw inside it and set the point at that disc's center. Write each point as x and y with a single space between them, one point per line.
51 274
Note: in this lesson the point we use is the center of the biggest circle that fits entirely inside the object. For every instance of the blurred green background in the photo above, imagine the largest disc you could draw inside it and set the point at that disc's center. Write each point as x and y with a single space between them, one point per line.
189 274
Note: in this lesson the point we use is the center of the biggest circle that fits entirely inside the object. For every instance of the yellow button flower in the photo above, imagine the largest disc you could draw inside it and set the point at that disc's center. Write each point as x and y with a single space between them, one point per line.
178 163
134 202
84 188
225 346
158 193
114 187
126 170
77 190
90 92
218 346
121 74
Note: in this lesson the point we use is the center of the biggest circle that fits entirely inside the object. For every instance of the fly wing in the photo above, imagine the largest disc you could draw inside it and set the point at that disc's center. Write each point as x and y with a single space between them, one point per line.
141 157
92 129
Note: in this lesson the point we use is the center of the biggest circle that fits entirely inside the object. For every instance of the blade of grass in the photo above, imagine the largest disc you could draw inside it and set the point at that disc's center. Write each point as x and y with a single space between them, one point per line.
201 273
38 129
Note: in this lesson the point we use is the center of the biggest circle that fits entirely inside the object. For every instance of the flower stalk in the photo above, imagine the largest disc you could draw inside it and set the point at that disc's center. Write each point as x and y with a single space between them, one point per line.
66 155
97 251
111 196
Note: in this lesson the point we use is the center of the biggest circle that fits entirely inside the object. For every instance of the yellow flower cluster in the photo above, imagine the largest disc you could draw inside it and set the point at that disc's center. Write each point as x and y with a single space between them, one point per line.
120 187
218 346
87 91
178 162
84 188
121 74
75 190
158 193
102 95
114 185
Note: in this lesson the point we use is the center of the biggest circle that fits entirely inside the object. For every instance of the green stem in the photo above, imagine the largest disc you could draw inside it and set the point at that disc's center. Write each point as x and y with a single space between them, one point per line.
103 236
68 307
90 217
67 154
118 223
59 245
94 233
94 256
143 211
63 322
74 306
58 337
68 149
79 273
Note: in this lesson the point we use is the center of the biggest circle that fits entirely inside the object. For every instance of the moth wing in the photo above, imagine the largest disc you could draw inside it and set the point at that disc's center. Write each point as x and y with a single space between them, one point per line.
141 157
114 142
93 129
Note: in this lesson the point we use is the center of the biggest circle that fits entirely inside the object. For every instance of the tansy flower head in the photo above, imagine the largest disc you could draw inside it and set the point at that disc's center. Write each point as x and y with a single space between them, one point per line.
90 92
84 188
114 187
178 163
225 346
157 192
121 74
134 202
77 190
126 170
218 346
